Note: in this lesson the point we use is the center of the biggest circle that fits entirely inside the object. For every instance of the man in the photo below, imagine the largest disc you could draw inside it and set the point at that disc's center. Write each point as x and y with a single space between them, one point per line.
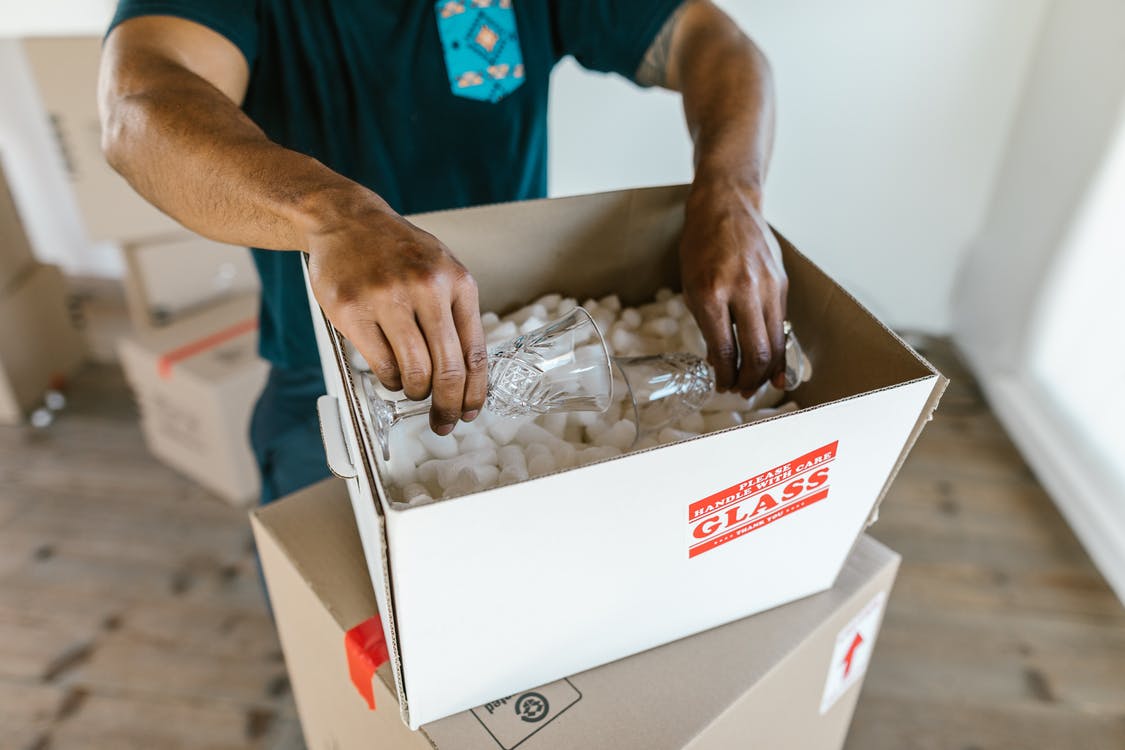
311 126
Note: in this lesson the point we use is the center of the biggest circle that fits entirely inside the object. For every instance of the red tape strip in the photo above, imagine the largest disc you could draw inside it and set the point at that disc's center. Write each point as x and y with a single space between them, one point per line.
366 649
166 361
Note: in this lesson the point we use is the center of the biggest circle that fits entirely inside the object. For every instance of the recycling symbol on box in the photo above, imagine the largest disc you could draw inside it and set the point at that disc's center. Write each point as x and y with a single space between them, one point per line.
532 707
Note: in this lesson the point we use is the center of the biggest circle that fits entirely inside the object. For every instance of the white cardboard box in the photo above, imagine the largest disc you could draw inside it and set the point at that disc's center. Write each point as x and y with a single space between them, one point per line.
66 72
196 384
174 278
787 678
39 346
488 594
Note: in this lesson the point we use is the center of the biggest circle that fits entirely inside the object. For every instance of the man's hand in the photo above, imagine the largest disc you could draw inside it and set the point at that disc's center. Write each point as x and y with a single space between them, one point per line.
731 267
408 306
734 284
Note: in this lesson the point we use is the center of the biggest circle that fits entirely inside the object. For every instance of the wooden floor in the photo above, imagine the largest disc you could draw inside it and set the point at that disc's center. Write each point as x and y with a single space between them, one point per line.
131 614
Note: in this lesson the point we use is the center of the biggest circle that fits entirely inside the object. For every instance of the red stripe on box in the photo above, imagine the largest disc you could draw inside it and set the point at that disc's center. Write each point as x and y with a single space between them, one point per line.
757 523
738 492
366 650
166 361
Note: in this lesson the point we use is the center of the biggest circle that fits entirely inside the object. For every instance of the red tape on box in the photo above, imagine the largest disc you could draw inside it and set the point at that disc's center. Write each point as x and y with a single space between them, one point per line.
366 649
166 361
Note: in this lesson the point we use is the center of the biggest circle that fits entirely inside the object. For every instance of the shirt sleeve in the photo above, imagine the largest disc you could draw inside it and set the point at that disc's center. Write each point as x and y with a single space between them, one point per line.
611 36
237 20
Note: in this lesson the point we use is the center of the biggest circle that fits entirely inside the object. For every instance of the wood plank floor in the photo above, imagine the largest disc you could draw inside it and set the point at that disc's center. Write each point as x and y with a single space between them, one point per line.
131 614
1000 633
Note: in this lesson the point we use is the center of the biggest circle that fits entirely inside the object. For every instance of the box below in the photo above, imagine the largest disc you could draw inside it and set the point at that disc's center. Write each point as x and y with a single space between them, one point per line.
788 678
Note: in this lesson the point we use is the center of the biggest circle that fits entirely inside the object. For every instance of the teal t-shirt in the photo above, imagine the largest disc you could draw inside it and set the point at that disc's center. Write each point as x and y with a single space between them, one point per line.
432 105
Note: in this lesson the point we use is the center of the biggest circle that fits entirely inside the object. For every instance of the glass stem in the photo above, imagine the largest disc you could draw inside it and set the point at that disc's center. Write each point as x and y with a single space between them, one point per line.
405 408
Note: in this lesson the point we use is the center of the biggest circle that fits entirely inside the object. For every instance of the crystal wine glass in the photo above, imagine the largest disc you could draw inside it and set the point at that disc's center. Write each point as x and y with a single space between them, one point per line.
562 366
663 388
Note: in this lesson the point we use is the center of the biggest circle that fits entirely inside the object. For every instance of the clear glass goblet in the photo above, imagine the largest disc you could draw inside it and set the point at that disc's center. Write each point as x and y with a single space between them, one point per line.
562 366
664 388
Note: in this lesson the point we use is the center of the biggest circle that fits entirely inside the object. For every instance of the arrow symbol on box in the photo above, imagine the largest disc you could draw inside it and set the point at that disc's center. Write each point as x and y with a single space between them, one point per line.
848 657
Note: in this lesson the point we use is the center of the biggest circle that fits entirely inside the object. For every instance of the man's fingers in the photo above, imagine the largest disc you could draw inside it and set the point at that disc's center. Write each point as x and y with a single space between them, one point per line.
411 353
722 353
375 348
448 392
775 330
466 316
756 355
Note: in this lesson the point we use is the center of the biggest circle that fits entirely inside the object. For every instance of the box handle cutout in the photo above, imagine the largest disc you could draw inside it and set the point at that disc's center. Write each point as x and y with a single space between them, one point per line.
332 433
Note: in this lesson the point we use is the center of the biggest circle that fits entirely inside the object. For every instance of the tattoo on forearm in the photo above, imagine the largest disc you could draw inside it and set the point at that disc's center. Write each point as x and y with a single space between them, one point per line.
653 70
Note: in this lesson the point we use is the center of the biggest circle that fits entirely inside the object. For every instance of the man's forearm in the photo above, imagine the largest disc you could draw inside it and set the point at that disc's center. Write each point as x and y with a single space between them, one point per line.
189 149
730 263
727 90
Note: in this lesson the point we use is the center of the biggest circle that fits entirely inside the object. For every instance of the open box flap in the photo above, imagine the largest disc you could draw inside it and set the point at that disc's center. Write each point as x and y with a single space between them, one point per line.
365 488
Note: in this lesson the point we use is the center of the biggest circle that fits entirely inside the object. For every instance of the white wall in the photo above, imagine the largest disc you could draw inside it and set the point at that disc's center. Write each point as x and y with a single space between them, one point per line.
54 17
891 125
1038 303
892 122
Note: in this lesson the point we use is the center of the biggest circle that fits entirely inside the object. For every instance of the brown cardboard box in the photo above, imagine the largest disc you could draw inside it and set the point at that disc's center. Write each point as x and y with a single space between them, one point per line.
775 680
100 312
16 256
170 280
196 384
39 346
66 72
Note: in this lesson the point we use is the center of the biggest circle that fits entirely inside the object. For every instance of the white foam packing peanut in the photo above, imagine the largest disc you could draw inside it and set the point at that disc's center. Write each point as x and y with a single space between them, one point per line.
496 450
436 445
672 435
720 420
415 493
489 321
505 331
550 302
531 312
504 429
445 470
666 327
620 436
630 319
533 433
554 424
513 464
472 478
693 423
476 441
540 460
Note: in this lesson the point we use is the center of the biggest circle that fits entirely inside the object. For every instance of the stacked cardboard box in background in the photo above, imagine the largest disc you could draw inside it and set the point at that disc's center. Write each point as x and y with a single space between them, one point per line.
39 346
98 307
788 678
192 357
65 70
193 360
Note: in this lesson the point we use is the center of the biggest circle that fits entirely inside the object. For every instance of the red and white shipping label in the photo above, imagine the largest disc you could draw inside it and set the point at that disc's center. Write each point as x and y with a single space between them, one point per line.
760 500
852 653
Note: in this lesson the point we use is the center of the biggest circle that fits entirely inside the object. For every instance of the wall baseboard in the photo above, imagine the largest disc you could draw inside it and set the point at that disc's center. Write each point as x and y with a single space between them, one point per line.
1082 490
